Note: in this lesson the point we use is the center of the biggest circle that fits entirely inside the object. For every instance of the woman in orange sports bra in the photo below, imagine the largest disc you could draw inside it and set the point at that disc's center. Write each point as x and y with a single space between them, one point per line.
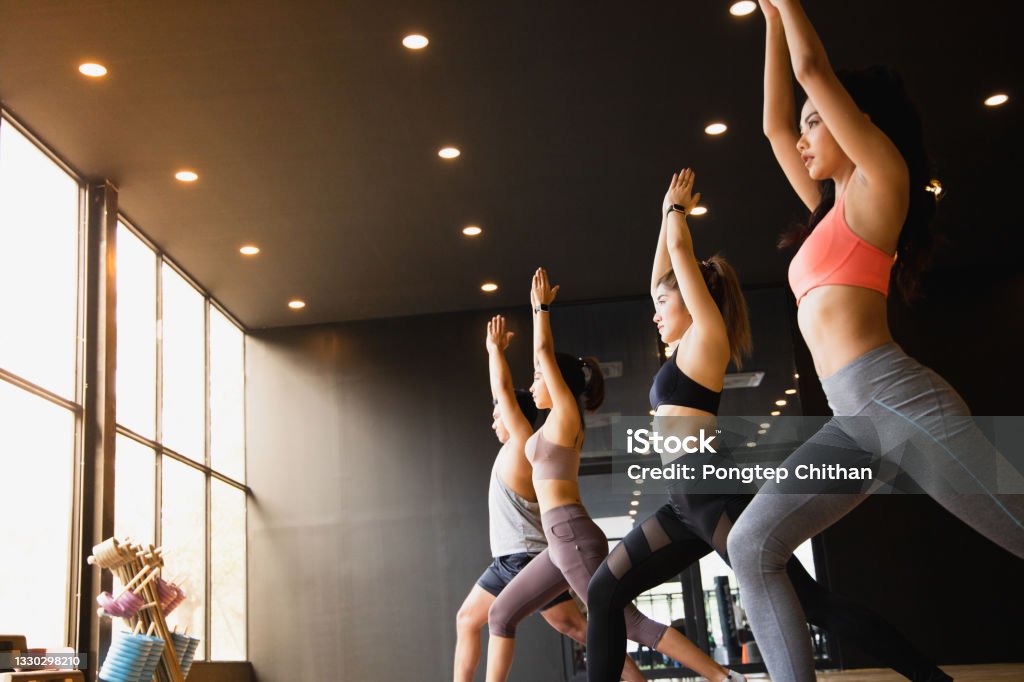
860 140
567 385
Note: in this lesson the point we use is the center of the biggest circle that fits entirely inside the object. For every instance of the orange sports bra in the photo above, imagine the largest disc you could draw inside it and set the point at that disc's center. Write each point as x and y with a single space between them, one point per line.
834 254
550 460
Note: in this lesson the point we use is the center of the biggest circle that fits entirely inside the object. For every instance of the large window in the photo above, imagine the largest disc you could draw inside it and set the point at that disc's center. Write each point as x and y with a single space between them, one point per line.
40 402
180 442
182 433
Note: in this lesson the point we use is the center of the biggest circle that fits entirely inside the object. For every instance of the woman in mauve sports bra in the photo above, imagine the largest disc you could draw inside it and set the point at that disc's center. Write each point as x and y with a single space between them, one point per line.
702 316
567 385
860 141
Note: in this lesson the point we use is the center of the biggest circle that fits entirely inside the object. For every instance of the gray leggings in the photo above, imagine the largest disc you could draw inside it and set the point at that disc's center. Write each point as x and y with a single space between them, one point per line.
892 411
576 547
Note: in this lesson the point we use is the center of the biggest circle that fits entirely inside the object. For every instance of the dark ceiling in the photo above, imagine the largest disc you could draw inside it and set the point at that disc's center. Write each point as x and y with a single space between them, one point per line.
315 134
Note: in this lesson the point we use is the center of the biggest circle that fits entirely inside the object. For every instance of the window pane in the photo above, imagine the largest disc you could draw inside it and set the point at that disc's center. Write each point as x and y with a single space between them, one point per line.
36 460
135 492
184 541
136 334
227 609
184 377
227 397
38 265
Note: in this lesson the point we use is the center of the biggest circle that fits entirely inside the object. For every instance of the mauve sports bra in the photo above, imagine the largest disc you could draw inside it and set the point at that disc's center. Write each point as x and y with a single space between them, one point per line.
551 461
834 254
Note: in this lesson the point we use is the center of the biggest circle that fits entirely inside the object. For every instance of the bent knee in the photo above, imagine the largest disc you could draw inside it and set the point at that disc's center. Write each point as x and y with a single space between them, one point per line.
500 623
568 622
754 549
574 629
740 546
470 619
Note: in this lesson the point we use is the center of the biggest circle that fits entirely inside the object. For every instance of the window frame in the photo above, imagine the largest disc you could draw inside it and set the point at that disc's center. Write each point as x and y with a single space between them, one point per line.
209 473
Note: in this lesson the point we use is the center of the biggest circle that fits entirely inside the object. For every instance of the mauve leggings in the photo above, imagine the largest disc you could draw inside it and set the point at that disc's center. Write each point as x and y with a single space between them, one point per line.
576 547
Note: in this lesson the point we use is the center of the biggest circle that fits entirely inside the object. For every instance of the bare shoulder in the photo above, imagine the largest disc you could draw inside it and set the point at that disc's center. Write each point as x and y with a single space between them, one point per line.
876 211
705 358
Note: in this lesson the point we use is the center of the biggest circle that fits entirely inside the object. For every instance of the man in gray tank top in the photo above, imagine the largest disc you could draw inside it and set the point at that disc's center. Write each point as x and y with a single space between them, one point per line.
515 531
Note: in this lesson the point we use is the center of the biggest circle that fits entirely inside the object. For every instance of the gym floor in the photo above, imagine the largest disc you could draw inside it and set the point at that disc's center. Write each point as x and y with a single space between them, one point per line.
1000 672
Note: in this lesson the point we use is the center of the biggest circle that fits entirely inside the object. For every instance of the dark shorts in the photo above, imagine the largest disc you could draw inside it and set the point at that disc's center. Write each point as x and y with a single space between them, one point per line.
504 568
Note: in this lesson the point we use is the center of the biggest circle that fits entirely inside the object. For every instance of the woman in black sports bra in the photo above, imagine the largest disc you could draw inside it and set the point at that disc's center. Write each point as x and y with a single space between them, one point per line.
702 316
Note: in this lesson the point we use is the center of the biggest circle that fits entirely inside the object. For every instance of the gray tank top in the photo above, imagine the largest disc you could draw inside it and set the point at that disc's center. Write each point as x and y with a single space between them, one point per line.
514 520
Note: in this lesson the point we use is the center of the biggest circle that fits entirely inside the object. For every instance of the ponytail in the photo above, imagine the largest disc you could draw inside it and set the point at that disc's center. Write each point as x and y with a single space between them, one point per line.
724 286
584 378
593 394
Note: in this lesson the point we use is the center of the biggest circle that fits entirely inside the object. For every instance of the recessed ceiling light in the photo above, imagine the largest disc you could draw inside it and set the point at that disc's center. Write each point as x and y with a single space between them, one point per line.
449 153
92 70
186 176
636 492
699 210
762 431
790 391
249 250
796 376
751 444
634 503
996 100
716 128
296 304
780 403
765 425
742 8
775 413
471 231
489 287
414 41
632 512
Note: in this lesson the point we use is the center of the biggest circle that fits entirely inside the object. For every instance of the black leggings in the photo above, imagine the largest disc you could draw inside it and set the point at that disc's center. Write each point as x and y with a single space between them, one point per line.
679 534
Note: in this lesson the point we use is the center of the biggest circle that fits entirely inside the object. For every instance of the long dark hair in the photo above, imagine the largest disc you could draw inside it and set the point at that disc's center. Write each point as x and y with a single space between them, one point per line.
724 286
584 378
879 92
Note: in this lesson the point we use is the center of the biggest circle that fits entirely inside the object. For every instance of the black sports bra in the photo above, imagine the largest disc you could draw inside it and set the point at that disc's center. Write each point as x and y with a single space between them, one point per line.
672 387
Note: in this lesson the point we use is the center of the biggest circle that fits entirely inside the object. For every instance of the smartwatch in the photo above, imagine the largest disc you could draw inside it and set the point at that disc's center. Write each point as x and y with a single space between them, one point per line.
542 308
677 208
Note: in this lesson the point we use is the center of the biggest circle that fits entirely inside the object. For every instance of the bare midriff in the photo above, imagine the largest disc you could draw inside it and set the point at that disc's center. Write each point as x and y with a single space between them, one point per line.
553 493
840 323
666 410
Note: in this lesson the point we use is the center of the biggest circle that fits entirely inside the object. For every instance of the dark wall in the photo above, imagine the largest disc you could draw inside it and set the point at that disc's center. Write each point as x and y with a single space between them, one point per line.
955 594
369 454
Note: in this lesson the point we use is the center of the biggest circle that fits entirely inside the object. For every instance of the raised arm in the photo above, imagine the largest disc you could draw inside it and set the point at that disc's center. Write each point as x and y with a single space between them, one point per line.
662 261
780 108
563 424
877 159
502 388
696 297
